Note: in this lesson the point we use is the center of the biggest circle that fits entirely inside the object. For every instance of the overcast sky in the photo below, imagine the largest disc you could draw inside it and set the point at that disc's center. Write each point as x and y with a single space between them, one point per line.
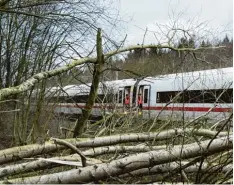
216 17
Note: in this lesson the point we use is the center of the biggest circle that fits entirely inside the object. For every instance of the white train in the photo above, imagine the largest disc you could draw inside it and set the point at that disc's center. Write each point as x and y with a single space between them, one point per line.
183 95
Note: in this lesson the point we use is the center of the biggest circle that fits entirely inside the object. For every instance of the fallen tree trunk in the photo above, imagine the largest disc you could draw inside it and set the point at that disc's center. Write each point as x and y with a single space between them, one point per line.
135 162
39 164
17 153
142 137
169 167
121 149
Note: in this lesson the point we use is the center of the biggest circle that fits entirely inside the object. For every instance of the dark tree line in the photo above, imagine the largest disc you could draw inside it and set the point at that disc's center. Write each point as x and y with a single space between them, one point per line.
156 61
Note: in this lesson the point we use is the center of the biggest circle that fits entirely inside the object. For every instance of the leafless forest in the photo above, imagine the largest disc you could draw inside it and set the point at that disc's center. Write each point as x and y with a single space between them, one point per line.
54 43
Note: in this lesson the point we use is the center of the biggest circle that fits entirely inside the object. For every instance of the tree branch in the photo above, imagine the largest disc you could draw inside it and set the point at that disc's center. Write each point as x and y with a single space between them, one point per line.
71 146
127 164
28 84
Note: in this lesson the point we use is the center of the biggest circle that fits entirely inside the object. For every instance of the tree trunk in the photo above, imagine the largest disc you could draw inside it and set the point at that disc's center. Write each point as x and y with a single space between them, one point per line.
128 164
169 167
80 124
42 164
17 153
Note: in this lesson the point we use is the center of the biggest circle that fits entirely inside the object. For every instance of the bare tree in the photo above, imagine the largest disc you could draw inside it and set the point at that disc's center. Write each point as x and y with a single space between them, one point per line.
39 36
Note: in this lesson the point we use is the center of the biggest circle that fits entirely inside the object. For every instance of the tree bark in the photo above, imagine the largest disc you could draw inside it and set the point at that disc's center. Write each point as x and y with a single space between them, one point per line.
80 124
39 164
169 167
28 84
128 164
17 153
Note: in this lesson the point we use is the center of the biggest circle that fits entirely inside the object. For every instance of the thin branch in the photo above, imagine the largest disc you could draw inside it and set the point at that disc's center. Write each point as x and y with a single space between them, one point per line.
159 47
7 111
26 13
71 146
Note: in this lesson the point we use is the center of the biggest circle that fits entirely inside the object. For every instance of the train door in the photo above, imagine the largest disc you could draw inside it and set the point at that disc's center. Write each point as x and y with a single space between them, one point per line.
134 96
127 98
120 99
146 101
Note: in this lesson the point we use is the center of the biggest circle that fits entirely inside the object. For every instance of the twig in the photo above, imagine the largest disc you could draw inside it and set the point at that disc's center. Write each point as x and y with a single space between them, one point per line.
185 176
15 110
71 146
66 129
228 120
144 37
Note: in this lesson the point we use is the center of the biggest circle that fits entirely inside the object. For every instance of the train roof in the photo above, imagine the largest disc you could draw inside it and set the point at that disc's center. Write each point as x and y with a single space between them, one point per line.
150 80
206 79
202 72
163 81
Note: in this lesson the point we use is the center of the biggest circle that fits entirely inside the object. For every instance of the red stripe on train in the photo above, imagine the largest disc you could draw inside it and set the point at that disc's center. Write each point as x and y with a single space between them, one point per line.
159 108
191 109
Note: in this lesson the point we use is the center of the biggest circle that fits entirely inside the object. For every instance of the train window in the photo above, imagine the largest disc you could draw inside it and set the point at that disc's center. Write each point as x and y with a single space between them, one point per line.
196 96
69 100
104 98
226 96
165 97
120 96
61 99
146 95
110 98
55 99
99 98
80 98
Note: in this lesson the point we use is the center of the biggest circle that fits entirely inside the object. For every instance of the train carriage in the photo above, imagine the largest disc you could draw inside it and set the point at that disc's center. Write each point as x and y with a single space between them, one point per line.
183 95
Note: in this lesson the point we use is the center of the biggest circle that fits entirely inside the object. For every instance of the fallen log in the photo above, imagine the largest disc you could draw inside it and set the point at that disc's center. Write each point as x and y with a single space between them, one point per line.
121 149
127 164
168 167
17 153
38 164
26 151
